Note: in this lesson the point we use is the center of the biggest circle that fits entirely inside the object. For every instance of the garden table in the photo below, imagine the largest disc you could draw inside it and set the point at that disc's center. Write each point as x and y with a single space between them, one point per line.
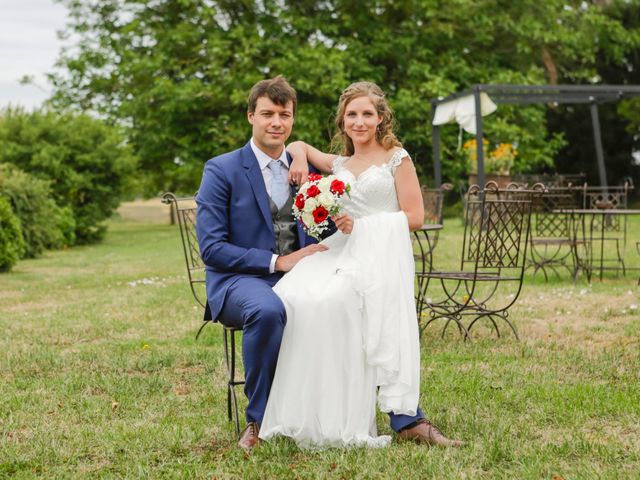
598 221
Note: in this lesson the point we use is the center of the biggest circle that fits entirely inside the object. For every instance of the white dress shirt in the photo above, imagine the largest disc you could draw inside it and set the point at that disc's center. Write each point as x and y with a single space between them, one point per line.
263 162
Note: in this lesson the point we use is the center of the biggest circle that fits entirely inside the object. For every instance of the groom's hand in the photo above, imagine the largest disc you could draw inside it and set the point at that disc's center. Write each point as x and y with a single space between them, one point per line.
285 263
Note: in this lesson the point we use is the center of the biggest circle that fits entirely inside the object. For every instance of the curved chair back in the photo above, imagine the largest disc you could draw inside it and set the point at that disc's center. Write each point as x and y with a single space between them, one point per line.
184 211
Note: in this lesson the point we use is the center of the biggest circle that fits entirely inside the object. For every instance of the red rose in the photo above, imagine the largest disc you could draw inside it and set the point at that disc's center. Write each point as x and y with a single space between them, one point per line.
320 214
314 176
337 187
313 191
300 201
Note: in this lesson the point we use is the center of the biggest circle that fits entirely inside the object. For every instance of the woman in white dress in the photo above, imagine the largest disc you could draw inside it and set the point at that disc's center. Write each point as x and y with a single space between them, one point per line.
351 336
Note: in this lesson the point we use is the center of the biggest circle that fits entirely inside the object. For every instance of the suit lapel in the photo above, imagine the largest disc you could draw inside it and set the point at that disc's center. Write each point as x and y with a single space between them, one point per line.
252 170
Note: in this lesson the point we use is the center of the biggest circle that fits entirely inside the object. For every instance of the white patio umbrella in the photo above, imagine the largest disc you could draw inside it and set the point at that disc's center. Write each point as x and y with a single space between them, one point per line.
463 111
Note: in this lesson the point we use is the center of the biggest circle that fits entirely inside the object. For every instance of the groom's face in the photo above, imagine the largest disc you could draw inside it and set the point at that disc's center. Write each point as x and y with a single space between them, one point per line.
272 124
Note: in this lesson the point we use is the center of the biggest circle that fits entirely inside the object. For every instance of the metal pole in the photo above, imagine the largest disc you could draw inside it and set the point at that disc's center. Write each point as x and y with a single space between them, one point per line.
595 120
479 145
435 145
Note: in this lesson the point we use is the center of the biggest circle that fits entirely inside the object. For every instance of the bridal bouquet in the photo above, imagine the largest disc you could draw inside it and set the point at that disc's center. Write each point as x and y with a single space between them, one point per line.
317 201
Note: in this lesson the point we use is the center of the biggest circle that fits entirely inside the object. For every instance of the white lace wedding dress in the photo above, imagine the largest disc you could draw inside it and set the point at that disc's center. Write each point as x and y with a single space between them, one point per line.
351 332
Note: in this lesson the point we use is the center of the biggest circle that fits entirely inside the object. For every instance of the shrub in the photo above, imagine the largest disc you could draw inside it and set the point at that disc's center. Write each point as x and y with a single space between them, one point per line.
44 224
85 160
11 241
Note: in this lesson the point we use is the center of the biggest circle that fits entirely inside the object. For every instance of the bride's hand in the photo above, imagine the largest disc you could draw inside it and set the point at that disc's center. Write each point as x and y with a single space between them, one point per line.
344 223
299 168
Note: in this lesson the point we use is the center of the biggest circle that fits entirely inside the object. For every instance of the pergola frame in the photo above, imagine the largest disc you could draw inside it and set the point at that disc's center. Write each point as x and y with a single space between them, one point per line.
535 94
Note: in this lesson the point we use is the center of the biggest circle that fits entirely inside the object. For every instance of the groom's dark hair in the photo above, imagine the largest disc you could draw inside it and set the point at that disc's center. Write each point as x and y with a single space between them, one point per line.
276 89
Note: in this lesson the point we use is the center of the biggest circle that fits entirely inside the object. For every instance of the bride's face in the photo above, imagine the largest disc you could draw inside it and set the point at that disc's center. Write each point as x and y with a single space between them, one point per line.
361 120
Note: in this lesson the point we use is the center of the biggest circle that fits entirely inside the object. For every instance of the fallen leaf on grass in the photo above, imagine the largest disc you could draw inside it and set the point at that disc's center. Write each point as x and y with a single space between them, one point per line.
181 389
114 405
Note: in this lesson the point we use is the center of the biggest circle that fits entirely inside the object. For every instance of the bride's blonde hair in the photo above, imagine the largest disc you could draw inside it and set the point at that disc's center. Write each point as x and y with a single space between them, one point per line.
384 132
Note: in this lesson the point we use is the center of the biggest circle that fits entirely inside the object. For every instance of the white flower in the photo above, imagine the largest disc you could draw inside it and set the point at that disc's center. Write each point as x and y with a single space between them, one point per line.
310 205
307 218
325 183
326 199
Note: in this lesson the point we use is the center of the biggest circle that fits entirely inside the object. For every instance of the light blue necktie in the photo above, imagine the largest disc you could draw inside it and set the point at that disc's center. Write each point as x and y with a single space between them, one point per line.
279 183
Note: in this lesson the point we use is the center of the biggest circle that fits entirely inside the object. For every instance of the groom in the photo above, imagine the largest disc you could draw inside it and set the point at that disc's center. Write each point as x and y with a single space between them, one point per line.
248 238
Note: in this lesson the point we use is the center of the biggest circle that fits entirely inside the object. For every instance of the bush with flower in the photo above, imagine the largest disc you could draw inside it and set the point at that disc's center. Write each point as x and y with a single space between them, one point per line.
497 161
317 201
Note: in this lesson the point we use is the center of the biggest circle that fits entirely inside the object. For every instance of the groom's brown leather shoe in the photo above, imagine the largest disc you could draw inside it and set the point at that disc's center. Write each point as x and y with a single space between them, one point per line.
426 432
249 436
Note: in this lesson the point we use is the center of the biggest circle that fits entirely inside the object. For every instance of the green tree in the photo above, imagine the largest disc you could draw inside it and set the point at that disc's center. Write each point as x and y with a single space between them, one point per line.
86 162
177 72
620 121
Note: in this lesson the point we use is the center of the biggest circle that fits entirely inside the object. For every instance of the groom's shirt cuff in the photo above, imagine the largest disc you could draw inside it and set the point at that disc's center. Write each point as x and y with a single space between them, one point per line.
272 265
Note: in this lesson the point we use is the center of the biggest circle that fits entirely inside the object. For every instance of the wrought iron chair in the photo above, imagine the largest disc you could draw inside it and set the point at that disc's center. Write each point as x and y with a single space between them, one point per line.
638 250
494 251
425 240
433 200
550 180
184 210
554 238
614 229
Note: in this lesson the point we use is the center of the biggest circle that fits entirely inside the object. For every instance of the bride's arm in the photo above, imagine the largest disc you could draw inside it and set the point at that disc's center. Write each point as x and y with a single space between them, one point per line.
302 153
409 193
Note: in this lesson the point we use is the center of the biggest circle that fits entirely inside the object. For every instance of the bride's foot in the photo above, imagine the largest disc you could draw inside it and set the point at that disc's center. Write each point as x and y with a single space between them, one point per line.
249 436
426 432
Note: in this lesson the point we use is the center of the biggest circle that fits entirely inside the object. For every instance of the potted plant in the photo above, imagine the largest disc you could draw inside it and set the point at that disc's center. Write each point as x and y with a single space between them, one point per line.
497 162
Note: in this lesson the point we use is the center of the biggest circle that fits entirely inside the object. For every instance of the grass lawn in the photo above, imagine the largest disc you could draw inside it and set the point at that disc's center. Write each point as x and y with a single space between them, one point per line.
101 376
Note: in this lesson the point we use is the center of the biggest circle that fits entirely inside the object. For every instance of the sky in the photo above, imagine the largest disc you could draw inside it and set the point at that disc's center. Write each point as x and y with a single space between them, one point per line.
28 46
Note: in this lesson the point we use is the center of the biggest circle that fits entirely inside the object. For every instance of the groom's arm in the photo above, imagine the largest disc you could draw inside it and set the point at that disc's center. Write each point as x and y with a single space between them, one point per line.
213 229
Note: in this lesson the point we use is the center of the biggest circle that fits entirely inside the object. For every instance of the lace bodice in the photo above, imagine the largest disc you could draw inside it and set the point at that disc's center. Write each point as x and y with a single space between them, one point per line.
374 190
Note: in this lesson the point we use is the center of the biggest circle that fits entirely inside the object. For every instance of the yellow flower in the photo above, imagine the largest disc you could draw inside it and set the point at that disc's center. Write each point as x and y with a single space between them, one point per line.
497 161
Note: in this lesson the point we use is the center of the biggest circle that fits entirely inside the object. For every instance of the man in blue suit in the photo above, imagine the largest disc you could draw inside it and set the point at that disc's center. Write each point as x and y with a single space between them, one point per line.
248 238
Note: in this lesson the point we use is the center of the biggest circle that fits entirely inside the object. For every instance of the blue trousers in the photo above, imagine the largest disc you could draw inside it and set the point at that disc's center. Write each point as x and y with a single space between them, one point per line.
252 305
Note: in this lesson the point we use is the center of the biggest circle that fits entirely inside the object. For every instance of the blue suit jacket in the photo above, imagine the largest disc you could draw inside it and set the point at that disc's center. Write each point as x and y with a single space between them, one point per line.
234 224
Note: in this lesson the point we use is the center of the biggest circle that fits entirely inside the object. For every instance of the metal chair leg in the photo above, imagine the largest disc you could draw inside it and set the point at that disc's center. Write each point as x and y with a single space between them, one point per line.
204 324
232 382
229 375
230 359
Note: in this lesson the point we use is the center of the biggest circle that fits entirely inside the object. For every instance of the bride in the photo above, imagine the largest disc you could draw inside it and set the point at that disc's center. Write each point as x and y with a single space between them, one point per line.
351 338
